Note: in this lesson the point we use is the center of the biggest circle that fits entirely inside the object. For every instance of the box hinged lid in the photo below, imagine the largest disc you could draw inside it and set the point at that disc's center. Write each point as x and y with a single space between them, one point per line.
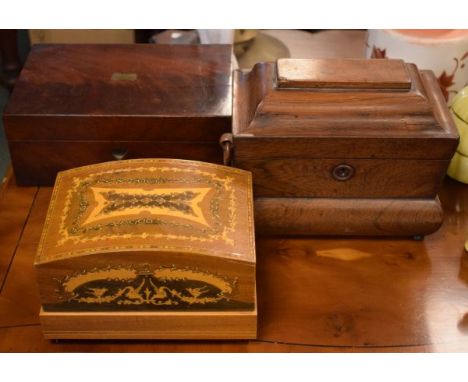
152 205
122 91
341 108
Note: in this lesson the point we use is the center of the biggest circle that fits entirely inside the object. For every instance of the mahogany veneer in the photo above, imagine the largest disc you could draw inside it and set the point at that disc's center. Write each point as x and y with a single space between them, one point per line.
75 105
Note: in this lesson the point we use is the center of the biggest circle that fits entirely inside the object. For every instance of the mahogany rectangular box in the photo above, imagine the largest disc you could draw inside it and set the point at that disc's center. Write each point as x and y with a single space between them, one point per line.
342 147
75 105
149 248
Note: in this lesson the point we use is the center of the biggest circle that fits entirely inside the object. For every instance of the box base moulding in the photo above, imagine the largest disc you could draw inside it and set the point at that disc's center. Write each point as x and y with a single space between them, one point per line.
149 325
347 216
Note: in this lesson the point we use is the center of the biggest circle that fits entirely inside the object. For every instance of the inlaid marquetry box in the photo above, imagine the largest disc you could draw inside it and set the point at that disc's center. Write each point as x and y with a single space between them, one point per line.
151 248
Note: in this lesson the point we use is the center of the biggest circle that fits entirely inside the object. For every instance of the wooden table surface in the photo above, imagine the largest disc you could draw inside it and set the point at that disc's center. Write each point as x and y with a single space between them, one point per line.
314 294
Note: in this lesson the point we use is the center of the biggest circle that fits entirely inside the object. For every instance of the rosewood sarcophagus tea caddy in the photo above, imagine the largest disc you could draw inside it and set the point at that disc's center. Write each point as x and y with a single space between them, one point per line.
75 105
342 147
149 248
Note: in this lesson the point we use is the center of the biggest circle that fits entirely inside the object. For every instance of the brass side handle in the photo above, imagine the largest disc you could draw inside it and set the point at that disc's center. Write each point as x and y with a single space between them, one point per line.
227 145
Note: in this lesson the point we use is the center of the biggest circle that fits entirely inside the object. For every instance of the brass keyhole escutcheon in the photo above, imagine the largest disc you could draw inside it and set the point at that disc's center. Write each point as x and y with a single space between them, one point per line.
343 172
119 153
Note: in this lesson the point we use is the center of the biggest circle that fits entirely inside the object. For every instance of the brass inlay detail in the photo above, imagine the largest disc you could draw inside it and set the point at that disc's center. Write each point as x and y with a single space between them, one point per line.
117 76
159 287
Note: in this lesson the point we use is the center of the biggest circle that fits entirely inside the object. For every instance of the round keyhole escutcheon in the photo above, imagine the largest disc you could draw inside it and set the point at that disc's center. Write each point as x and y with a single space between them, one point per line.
342 172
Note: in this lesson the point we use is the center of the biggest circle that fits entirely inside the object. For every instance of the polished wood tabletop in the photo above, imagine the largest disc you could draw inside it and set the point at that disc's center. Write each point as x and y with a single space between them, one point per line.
314 294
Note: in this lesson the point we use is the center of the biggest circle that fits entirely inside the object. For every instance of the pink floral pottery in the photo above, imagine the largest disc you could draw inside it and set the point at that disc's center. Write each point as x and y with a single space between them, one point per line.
444 51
